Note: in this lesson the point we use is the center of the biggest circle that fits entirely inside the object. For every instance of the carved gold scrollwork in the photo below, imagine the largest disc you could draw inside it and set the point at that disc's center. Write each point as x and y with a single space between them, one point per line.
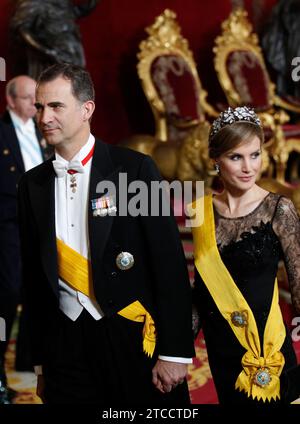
164 43
179 146
241 44
237 38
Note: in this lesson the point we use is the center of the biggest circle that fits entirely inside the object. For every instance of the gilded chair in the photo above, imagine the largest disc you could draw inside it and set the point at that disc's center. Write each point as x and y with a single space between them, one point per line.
170 81
242 73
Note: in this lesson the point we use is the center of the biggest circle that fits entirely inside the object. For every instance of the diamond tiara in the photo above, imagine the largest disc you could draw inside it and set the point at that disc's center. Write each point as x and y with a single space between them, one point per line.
230 116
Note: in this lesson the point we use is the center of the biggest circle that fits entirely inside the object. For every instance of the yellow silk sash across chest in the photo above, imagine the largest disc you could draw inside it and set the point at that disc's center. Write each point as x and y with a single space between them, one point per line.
75 270
259 376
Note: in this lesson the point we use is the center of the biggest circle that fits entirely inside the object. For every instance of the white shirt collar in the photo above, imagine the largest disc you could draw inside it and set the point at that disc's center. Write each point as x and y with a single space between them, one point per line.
19 123
83 152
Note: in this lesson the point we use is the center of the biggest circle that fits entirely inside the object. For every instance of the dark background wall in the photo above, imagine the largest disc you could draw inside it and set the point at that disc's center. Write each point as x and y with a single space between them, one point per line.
111 36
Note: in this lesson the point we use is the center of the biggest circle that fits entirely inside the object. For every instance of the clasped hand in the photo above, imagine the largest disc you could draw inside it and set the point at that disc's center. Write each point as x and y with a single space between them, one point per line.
167 375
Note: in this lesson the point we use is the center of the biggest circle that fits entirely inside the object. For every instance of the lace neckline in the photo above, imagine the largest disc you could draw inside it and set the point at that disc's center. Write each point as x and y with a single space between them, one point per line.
243 216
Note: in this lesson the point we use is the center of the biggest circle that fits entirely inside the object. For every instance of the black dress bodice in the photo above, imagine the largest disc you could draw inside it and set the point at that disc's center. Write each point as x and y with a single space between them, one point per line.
251 248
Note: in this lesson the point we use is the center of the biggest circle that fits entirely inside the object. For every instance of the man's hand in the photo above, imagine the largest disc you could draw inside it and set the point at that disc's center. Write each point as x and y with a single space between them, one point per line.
167 375
40 387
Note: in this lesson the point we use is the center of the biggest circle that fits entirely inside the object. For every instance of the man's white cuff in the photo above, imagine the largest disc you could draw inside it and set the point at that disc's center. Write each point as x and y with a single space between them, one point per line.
176 359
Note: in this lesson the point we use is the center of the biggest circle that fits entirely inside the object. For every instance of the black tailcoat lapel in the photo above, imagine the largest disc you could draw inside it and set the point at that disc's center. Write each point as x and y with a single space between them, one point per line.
43 202
100 227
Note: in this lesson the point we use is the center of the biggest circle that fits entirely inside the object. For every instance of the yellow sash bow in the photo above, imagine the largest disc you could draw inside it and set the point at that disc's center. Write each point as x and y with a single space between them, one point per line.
136 312
254 377
75 270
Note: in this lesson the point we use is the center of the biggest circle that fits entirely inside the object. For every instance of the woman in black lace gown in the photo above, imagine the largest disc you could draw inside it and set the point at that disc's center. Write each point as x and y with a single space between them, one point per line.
254 230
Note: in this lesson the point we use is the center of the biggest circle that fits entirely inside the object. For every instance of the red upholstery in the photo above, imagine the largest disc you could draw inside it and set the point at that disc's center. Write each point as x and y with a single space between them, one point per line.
249 79
294 101
291 130
176 87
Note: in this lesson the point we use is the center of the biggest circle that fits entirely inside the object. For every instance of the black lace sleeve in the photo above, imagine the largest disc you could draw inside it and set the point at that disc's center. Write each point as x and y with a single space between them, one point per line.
286 225
196 321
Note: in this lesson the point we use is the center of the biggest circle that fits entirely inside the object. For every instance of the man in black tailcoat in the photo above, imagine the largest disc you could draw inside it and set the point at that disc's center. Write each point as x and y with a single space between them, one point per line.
107 289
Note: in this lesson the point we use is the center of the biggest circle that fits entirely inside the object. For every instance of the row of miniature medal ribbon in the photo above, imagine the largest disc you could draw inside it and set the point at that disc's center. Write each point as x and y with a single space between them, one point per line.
103 206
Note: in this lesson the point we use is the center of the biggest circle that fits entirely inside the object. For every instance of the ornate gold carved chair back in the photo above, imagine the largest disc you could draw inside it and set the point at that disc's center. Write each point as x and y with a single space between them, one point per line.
170 81
240 65
242 73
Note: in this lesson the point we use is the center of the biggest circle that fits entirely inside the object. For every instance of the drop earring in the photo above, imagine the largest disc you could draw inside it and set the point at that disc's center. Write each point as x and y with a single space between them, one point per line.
217 168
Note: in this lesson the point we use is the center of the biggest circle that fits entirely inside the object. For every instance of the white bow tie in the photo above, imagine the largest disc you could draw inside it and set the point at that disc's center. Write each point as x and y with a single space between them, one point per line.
61 168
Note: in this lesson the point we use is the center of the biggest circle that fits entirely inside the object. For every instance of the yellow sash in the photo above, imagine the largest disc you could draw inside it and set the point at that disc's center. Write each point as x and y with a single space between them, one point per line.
75 270
136 312
230 301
